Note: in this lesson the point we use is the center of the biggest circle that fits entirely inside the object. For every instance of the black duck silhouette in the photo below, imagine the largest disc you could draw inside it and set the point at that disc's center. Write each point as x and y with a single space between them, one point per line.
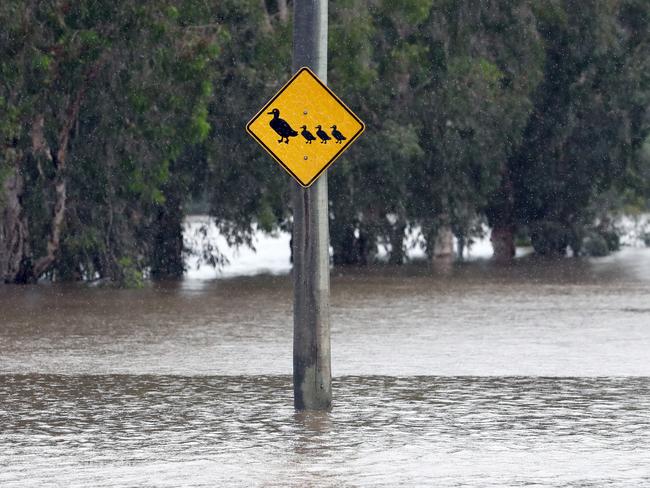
307 135
322 134
281 126
337 135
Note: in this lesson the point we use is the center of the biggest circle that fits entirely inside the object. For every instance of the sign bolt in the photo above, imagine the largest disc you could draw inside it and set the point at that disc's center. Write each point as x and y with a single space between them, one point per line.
305 158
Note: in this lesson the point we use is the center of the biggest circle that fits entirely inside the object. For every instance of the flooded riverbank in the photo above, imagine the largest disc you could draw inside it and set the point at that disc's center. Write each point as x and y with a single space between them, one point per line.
536 374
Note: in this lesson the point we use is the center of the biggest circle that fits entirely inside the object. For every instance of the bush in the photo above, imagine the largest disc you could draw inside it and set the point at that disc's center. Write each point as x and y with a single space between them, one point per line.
612 239
549 238
131 274
595 245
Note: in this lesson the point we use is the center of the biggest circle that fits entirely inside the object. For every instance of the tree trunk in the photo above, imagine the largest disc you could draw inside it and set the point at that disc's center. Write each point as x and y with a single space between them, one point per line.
344 243
266 18
44 263
501 217
443 247
59 158
364 243
15 263
460 247
283 11
503 243
397 254
167 259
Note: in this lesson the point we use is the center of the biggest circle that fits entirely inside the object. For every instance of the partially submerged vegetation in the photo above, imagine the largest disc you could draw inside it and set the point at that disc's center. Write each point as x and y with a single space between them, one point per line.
115 116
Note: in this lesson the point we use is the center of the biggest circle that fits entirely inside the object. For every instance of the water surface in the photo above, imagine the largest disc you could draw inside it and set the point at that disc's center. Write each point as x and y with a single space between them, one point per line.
531 375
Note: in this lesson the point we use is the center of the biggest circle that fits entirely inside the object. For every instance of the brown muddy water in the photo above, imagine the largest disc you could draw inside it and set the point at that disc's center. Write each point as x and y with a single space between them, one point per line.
537 374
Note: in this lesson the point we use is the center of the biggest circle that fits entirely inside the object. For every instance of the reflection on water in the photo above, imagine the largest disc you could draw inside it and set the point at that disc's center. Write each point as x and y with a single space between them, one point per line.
384 431
536 374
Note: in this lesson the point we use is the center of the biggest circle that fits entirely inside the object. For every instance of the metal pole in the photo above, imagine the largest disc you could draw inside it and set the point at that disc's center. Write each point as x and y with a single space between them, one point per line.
312 376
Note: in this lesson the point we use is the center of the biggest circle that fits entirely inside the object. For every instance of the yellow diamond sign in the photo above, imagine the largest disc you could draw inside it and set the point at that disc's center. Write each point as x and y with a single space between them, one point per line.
305 127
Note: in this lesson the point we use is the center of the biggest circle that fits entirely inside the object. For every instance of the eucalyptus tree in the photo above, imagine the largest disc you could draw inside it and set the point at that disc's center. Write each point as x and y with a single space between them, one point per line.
246 191
356 207
472 109
589 119
101 97
445 89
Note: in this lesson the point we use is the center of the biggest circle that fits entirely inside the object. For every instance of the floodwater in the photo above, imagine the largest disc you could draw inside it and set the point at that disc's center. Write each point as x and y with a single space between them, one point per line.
536 374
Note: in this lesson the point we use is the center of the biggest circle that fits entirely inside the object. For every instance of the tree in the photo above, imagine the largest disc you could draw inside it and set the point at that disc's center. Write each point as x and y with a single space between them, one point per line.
246 191
589 119
445 87
103 96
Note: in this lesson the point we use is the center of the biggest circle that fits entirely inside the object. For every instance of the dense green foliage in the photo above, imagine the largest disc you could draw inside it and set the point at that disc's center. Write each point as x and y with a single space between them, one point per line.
115 116
104 97
450 87
589 121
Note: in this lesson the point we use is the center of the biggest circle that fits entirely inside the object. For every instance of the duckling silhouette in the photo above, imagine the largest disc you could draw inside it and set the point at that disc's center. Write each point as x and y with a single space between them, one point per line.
322 134
281 126
307 135
337 135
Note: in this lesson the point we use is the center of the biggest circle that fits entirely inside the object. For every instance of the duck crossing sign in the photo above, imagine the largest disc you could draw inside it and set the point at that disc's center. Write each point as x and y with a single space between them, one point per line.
305 127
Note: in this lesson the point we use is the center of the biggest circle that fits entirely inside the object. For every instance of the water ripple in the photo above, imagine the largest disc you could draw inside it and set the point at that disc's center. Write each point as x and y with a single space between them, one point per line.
128 430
